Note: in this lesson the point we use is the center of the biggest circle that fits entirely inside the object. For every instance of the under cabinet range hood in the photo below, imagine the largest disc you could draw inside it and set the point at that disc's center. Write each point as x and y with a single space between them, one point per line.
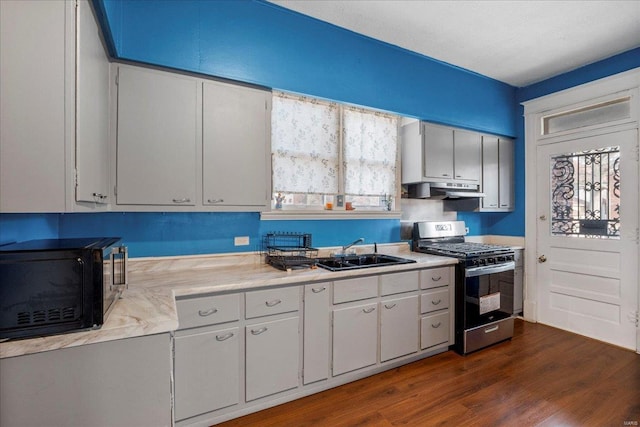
444 191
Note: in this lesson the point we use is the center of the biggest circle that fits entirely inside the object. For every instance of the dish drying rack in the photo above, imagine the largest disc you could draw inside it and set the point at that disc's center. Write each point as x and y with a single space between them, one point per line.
287 250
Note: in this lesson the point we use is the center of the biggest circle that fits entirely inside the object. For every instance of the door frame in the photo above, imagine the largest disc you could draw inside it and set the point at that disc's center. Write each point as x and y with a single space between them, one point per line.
609 88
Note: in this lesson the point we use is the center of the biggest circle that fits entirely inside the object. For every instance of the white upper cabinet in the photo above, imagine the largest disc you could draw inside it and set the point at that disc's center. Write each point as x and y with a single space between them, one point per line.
34 164
54 95
235 145
157 138
467 157
92 110
433 153
497 174
190 143
438 152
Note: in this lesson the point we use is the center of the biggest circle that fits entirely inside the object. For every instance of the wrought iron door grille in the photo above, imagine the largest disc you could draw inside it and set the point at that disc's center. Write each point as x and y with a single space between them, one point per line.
585 193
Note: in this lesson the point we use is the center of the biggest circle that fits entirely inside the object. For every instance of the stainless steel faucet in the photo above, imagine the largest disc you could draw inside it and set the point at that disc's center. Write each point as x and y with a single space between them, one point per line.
344 248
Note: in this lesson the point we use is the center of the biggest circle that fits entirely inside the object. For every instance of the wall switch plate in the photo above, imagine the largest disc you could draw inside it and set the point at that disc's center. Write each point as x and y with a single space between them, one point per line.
241 241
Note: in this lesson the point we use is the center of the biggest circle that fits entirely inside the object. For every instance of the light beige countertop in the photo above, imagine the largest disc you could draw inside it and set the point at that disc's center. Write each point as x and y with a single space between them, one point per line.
148 306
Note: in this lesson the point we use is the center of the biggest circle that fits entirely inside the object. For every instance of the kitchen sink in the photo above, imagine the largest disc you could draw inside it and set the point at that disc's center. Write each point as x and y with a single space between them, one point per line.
353 262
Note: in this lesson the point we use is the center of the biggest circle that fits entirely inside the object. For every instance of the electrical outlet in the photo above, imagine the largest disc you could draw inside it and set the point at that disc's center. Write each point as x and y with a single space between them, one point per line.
241 241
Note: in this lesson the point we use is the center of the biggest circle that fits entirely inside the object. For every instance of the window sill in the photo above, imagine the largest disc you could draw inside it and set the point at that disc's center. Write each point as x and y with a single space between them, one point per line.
333 214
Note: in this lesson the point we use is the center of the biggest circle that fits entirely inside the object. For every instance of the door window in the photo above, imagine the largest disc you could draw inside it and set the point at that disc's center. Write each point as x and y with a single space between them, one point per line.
585 193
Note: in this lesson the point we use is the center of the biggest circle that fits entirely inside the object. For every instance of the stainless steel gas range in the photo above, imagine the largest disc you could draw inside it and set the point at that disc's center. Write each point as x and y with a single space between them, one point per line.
484 283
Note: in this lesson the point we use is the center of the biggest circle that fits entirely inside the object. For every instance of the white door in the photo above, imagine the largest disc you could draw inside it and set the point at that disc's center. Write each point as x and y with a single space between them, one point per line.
587 236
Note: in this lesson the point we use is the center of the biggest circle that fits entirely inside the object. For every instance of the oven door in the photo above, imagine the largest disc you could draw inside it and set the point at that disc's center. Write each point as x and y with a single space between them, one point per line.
488 294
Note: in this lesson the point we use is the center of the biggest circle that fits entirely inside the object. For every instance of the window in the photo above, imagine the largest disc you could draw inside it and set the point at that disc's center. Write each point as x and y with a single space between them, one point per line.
617 109
324 153
585 194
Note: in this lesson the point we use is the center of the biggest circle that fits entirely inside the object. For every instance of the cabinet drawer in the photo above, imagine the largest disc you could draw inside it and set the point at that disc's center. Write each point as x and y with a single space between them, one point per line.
399 282
272 301
434 330
435 277
437 299
203 311
355 289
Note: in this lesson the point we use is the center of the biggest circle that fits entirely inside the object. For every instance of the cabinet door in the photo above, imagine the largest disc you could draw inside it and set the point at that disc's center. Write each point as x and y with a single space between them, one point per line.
490 180
32 106
92 110
316 332
355 338
272 357
236 135
157 138
467 156
399 327
207 372
438 152
505 152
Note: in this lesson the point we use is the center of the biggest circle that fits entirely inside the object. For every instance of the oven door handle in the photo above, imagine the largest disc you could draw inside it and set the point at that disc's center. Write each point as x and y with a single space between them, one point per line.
489 269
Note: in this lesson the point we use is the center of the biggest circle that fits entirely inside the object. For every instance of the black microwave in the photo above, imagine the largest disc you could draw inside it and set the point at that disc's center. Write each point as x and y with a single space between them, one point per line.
55 286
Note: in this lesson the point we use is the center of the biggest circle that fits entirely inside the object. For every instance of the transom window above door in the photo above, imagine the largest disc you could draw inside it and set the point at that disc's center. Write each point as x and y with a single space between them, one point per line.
325 154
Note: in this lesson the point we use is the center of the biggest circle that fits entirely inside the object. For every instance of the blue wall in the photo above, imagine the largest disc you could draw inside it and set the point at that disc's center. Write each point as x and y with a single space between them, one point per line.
264 44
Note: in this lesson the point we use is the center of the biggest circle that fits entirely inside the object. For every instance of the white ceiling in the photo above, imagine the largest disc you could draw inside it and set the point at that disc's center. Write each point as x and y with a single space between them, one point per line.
516 42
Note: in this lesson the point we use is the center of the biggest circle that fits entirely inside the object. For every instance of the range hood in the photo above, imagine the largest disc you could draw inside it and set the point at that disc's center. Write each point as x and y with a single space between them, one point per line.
444 191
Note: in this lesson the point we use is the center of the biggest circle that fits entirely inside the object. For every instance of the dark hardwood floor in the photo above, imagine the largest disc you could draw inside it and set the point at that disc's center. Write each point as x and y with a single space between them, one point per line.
542 377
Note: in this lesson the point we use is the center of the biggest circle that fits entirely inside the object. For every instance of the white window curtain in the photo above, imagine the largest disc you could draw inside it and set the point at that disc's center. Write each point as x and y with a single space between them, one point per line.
370 150
304 145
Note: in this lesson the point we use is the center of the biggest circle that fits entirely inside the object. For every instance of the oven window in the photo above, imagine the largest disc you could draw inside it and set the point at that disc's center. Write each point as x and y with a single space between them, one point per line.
488 298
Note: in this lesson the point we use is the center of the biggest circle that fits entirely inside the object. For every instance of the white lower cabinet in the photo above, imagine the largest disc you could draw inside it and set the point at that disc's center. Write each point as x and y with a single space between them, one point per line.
317 332
399 327
355 337
207 372
434 329
303 338
272 355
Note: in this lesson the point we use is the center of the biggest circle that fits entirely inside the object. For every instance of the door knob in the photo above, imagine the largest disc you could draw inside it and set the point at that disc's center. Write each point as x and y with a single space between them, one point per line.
543 217
542 259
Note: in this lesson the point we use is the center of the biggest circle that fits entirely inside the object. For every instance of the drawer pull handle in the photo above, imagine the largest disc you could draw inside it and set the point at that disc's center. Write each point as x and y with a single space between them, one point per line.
318 290
183 200
258 331
437 325
224 337
389 306
436 302
273 303
215 200
368 310
436 279
489 330
205 313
